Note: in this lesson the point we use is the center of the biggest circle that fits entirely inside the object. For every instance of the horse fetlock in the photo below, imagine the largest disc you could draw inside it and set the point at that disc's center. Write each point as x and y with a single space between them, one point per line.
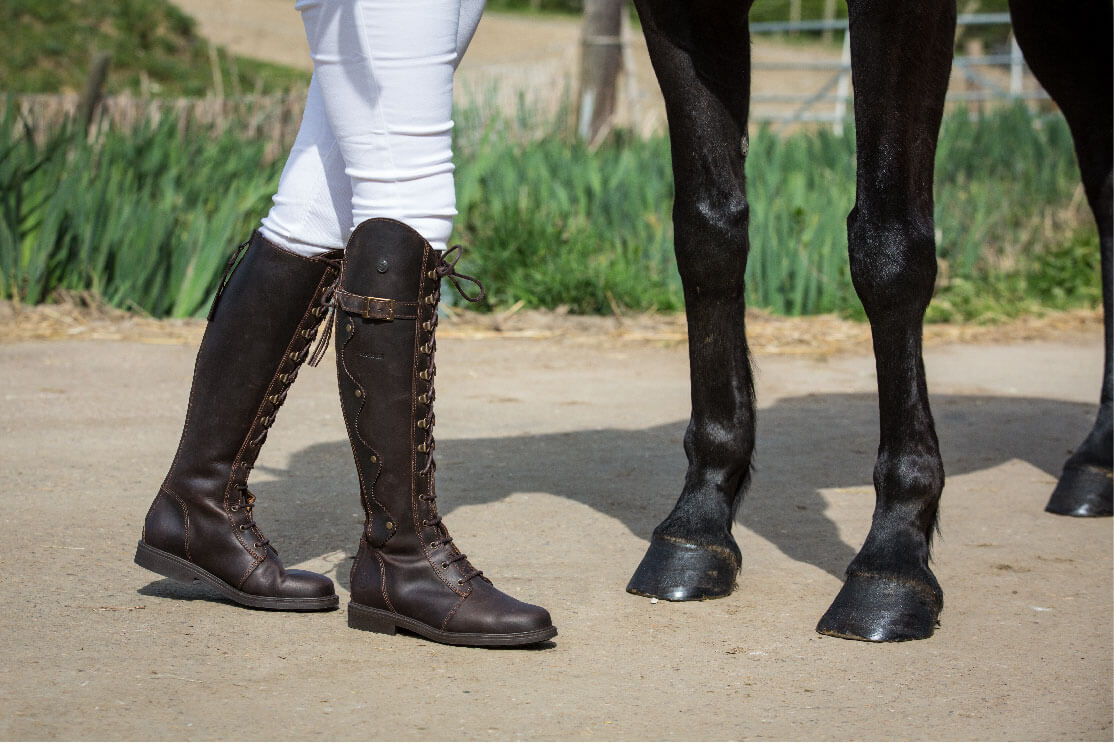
908 487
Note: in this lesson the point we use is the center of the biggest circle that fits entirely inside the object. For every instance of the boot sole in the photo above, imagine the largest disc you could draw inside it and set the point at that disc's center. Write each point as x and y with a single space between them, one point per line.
184 571
385 622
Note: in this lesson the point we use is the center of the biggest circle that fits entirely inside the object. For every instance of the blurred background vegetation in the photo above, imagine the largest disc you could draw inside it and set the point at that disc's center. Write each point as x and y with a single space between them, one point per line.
154 47
145 215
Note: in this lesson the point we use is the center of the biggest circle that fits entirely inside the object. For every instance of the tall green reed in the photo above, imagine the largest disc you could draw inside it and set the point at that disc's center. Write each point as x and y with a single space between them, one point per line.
142 218
145 218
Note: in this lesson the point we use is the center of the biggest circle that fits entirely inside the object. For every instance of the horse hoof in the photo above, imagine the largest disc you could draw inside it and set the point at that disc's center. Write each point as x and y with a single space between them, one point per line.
1083 491
676 570
882 610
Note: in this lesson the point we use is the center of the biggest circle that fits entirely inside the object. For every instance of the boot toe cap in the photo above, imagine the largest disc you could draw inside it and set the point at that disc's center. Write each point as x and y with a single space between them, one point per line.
270 578
491 612
305 584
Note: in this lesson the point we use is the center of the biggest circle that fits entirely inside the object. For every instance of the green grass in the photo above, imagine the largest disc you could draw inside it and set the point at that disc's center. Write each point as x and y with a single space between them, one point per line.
552 223
154 47
145 218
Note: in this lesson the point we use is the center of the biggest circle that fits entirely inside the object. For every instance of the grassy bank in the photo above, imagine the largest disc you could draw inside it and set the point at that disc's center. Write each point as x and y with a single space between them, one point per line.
146 218
154 48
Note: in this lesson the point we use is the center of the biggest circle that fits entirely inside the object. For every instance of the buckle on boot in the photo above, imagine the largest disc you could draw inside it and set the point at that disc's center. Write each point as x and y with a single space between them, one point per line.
370 308
379 313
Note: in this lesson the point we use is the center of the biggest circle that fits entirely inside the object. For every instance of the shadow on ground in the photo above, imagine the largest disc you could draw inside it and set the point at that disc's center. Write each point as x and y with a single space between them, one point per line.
806 444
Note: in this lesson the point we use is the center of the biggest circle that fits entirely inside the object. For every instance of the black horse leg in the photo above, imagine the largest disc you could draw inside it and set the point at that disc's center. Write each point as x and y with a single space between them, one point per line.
701 54
1072 54
901 58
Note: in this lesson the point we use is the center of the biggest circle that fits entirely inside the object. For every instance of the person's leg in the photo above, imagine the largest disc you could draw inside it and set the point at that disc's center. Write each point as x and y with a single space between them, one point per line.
312 207
398 157
384 69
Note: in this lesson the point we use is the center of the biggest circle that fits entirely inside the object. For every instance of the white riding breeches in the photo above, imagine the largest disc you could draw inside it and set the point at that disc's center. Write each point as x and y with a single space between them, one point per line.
376 135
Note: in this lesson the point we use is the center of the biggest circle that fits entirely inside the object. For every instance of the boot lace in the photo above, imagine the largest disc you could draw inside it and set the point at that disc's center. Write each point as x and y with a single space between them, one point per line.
445 268
328 307
291 362
245 504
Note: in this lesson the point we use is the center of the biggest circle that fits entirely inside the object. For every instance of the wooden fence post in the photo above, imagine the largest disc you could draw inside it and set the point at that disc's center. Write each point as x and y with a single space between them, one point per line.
600 62
94 89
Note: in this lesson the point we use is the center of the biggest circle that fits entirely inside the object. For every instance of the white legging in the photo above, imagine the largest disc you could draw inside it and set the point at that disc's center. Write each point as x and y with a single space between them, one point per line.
376 135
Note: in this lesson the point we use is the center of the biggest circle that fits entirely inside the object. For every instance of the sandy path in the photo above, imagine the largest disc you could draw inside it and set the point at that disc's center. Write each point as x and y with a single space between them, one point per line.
556 460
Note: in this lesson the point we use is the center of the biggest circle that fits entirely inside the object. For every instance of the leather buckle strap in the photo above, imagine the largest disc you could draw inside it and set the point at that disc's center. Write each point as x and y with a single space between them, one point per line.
376 308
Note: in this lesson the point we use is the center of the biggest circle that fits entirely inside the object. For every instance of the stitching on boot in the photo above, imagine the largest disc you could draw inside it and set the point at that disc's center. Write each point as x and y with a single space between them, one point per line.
244 579
185 518
367 490
383 581
452 613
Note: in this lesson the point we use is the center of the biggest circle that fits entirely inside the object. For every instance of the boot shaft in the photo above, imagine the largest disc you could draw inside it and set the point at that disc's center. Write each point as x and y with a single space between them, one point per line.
407 572
385 320
261 326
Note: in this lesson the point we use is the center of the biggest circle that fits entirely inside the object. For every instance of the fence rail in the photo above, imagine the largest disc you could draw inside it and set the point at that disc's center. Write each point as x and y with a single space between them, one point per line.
272 118
788 90
973 76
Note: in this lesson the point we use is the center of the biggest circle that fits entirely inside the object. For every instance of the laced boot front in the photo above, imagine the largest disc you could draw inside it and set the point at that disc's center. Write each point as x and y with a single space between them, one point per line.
408 571
201 525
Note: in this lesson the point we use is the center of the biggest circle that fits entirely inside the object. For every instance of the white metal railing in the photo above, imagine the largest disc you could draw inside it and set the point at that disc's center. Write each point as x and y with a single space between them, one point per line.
833 98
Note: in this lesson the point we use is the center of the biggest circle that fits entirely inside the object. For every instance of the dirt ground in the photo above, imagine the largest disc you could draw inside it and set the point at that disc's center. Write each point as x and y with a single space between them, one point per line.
558 453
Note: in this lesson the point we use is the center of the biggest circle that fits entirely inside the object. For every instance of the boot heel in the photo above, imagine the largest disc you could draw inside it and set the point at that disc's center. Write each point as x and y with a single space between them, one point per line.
158 562
369 620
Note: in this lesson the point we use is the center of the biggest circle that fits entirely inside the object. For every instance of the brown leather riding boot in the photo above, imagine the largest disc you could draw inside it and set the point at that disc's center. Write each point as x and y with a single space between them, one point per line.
200 526
407 573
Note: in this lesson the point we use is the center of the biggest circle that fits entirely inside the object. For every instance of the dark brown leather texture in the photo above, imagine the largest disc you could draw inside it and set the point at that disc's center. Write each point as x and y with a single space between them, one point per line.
408 572
263 321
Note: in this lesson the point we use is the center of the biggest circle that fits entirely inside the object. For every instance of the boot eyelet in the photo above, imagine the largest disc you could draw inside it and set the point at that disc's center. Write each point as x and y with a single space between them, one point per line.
425 522
234 509
444 565
243 527
433 545
460 581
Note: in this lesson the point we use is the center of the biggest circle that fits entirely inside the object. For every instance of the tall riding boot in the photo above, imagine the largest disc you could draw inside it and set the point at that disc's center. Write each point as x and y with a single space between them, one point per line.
200 526
407 573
